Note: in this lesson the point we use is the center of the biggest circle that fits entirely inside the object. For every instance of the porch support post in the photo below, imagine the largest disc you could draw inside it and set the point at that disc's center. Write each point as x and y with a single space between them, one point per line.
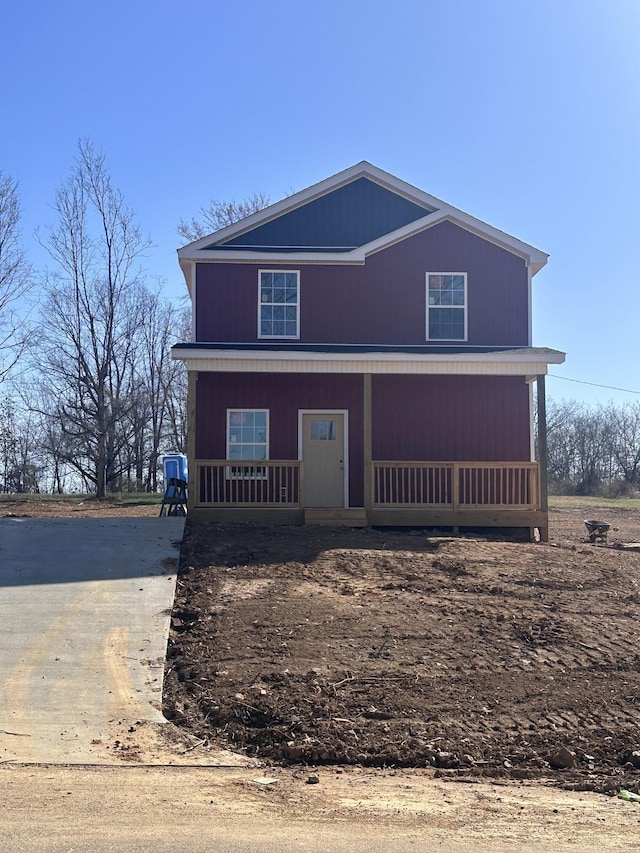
192 378
367 445
543 454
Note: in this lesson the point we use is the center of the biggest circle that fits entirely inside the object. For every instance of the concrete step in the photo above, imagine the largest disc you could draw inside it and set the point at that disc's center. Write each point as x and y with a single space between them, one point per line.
336 517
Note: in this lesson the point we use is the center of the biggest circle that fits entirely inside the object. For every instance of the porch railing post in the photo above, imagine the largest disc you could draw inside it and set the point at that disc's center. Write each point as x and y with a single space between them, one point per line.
367 443
543 453
301 484
193 491
455 486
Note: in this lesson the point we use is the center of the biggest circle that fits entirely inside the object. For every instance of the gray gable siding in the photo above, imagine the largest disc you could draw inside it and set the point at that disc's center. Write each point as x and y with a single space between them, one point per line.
350 216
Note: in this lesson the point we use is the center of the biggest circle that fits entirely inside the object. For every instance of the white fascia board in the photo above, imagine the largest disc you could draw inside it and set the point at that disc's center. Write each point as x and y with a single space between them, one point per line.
188 267
522 356
508 363
449 368
533 257
530 275
245 256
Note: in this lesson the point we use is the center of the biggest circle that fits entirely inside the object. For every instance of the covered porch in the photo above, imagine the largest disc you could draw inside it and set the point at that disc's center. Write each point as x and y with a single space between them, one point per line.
423 438
400 493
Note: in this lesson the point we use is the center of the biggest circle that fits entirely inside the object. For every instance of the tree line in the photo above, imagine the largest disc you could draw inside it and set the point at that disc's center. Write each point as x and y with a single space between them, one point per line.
90 397
593 449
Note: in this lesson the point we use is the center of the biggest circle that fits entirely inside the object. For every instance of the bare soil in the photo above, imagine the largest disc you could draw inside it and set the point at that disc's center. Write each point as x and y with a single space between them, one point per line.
88 507
543 635
50 809
478 657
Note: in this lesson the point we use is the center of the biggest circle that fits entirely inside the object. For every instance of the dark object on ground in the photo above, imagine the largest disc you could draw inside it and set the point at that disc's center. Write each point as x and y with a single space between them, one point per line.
597 530
174 501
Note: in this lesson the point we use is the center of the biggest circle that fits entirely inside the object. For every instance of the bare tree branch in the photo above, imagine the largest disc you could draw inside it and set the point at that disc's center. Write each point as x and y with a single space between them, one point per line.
91 317
218 214
15 278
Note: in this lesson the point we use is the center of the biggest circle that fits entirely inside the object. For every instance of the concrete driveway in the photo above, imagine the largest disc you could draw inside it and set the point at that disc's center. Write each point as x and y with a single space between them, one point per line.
84 619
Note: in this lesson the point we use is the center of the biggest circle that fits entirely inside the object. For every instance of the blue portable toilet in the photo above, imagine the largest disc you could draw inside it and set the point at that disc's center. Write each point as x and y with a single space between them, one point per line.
174 465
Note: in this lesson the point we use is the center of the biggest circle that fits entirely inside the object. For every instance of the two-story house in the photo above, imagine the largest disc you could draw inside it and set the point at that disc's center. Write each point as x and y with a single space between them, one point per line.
361 353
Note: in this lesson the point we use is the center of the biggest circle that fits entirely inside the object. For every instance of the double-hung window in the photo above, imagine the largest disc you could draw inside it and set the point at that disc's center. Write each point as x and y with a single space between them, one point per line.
446 306
247 439
278 304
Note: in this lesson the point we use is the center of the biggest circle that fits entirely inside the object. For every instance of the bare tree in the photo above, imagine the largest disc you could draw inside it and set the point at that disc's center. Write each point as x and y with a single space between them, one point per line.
218 214
91 318
15 277
53 451
590 450
161 391
623 428
561 441
593 450
175 433
21 464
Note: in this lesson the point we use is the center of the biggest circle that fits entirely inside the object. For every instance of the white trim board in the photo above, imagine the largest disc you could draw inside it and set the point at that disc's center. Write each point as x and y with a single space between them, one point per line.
533 258
508 363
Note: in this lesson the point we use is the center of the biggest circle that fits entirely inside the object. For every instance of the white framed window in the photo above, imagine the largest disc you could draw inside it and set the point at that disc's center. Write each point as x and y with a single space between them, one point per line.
247 439
446 306
278 304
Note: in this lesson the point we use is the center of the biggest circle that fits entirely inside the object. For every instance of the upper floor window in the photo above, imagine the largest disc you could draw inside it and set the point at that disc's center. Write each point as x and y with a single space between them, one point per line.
447 306
279 304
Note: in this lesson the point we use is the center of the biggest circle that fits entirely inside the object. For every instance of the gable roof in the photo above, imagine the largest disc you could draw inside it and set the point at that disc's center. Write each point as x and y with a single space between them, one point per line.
342 219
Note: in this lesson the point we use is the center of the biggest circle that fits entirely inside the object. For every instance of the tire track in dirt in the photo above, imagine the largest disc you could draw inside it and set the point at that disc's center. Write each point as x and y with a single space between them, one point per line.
390 648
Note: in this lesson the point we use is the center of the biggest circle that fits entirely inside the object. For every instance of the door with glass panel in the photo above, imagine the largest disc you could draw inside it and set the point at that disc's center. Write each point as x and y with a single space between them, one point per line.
323 457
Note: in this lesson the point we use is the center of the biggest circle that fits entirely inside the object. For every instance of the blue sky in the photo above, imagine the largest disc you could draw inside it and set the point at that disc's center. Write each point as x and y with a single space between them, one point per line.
524 113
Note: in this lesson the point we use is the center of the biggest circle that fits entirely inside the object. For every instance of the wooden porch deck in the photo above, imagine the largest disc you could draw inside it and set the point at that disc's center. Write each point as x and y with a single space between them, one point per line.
400 493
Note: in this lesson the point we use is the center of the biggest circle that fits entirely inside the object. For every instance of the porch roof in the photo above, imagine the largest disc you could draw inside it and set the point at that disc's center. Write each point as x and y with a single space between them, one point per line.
366 358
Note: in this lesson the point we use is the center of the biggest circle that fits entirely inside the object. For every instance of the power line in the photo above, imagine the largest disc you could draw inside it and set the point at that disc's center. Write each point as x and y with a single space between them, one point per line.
594 384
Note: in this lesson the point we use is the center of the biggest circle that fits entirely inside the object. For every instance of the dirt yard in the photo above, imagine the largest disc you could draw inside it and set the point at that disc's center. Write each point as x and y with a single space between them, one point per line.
64 507
474 656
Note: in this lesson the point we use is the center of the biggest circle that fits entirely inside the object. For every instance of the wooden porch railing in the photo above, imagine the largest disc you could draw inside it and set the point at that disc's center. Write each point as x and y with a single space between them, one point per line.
231 483
418 485
456 485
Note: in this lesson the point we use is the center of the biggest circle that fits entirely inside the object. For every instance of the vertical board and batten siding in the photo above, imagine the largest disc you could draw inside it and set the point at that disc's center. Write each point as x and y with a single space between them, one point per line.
283 395
450 418
382 302
349 216
414 418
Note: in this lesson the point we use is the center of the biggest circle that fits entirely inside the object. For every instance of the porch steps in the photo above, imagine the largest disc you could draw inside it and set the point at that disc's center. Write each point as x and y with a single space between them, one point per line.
336 517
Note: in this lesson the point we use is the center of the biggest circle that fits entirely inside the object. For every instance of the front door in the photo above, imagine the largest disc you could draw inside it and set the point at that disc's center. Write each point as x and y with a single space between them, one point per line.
323 457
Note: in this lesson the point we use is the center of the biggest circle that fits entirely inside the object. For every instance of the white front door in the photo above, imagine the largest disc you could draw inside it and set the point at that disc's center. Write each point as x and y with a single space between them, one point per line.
323 457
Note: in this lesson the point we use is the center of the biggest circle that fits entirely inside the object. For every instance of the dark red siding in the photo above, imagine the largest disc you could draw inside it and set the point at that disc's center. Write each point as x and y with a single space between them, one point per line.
414 418
283 394
382 302
450 418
